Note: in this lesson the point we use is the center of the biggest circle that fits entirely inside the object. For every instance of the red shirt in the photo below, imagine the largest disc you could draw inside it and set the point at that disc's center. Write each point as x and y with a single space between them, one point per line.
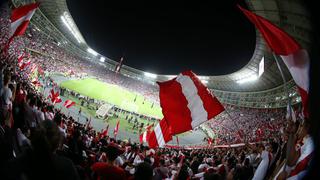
19 98
108 172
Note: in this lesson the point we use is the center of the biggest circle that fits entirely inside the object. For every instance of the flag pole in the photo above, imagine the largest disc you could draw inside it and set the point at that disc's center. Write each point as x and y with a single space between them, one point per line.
284 81
289 101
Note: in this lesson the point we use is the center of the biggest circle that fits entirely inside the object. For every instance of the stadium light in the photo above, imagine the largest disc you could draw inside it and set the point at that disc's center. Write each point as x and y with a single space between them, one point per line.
102 59
203 77
68 22
93 52
150 75
171 76
204 81
261 67
247 79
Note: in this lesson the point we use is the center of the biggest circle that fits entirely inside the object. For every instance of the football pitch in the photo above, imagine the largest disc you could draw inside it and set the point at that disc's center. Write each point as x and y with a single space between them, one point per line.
115 95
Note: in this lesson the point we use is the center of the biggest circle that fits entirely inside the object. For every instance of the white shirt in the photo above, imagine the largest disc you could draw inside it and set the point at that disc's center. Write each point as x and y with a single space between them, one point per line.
6 95
263 166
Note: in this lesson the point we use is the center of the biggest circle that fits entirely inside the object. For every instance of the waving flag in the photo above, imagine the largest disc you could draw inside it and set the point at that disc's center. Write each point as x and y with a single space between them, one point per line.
145 135
160 135
22 56
290 113
55 97
105 132
116 129
20 19
68 103
186 102
294 56
23 64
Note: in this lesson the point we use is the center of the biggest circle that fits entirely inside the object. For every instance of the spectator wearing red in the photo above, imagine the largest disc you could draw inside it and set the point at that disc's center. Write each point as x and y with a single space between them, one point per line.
108 170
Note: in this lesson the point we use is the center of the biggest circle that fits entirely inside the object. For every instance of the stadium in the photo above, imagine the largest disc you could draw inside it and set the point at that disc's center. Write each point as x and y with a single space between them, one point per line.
72 111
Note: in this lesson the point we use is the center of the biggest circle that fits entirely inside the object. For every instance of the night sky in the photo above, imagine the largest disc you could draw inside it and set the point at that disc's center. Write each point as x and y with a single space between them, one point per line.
160 37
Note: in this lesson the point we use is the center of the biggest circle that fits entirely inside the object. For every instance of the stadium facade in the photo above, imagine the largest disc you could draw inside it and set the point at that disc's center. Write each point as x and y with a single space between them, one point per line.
244 88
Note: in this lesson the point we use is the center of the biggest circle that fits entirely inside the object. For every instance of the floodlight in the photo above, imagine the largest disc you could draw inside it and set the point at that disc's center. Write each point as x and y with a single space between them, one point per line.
204 81
247 79
68 22
261 67
93 52
102 59
150 75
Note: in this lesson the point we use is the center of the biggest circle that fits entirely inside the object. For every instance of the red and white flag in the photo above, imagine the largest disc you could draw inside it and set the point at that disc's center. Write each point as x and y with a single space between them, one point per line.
20 18
304 161
294 56
186 102
55 97
68 103
300 169
22 56
145 135
116 129
105 132
23 64
290 113
160 135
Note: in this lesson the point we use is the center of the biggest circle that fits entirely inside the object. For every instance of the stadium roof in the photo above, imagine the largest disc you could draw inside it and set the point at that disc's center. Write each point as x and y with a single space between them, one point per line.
289 15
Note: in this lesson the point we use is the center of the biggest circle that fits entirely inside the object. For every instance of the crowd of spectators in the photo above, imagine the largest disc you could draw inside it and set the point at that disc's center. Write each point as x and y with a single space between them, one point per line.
239 124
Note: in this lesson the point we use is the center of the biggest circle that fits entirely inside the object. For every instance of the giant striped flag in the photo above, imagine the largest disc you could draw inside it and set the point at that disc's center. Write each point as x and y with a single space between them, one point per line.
160 135
186 102
294 56
20 19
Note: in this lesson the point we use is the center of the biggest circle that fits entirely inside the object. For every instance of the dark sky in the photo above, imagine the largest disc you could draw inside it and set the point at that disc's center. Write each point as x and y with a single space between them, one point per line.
161 37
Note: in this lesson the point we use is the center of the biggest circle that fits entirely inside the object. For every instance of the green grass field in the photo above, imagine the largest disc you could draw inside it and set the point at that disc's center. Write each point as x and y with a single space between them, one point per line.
113 94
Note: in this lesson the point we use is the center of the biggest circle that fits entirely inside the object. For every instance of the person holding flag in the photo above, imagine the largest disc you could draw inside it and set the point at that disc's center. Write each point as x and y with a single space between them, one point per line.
297 61
20 19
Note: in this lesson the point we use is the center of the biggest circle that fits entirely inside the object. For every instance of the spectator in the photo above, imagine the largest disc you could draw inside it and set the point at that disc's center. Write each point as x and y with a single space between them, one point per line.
41 162
107 170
